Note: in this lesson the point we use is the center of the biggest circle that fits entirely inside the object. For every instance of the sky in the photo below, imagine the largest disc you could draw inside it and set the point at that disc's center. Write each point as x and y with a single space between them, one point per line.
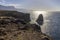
33 4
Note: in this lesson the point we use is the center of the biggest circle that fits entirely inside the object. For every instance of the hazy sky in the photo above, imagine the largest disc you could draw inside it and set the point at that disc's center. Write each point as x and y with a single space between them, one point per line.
33 4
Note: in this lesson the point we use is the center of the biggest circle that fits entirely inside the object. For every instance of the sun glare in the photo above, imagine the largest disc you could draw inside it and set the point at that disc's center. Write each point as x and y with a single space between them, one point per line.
39 12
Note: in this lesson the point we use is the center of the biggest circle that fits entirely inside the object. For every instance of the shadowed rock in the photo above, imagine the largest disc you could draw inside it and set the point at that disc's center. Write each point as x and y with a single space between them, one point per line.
19 15
40 19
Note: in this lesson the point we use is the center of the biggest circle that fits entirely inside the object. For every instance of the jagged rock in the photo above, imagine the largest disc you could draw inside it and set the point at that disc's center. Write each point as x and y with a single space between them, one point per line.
40 19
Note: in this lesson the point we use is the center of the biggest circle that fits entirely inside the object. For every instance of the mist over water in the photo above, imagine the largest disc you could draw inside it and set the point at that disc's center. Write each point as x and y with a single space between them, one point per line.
51 25
33 17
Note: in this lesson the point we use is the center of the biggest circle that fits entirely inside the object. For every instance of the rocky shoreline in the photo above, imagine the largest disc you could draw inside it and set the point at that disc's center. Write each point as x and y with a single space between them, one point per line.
17 29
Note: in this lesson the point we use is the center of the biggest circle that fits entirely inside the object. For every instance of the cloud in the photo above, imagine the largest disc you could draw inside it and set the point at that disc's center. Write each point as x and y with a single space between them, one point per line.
33 4
3 2
37 4
15 5
42 5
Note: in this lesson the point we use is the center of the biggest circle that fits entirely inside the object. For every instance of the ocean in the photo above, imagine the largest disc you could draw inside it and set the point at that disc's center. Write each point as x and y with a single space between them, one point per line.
51 24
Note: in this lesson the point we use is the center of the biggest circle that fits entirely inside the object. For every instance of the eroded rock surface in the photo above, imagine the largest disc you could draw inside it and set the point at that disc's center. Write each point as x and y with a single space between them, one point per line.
16 26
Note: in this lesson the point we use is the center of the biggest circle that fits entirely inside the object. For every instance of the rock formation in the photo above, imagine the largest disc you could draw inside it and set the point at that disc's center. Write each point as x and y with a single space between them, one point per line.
16 28
16 14
40 19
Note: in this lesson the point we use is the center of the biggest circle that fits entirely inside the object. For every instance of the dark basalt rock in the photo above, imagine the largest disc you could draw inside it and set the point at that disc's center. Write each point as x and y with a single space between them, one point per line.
40 19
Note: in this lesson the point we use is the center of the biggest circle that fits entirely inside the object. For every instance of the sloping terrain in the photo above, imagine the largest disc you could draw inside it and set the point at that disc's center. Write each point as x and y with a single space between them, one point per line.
15 26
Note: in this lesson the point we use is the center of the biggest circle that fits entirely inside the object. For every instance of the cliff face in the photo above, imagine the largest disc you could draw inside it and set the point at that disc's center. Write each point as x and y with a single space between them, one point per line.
13 28
19 15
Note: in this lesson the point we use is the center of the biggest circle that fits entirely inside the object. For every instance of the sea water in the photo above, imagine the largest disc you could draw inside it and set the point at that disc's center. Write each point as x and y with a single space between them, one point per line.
51 25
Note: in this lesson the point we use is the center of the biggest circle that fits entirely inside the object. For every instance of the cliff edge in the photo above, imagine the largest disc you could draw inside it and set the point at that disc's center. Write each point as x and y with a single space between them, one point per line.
16 28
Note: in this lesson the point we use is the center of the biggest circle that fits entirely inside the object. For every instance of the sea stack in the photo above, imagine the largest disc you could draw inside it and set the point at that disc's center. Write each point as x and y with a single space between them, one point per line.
40 19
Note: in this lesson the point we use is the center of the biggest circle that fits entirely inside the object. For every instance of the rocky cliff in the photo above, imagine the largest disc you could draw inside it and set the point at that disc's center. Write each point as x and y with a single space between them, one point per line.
15 26
16 14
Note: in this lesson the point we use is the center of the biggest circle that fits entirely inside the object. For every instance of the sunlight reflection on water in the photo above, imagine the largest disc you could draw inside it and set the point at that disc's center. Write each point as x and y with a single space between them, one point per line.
51 25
